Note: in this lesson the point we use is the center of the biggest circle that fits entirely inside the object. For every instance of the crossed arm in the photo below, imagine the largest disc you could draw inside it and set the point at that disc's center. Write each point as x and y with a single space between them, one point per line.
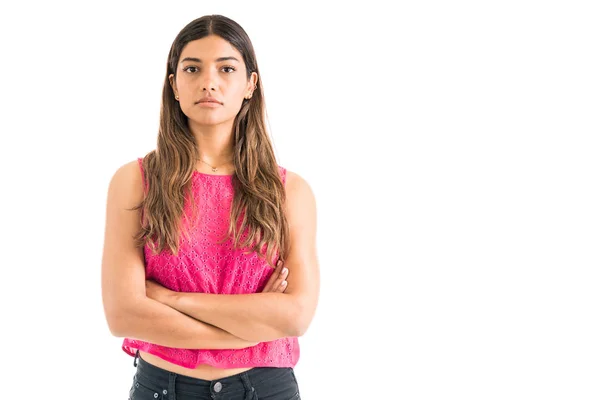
275 313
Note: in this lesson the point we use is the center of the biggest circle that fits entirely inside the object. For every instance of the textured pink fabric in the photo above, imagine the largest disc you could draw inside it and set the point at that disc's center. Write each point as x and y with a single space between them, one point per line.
204 266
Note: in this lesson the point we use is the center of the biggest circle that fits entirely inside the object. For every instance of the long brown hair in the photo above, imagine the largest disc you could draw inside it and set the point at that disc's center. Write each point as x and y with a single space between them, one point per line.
259 194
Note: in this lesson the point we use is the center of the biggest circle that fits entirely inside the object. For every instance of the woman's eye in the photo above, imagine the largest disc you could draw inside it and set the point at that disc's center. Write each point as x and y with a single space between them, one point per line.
195 69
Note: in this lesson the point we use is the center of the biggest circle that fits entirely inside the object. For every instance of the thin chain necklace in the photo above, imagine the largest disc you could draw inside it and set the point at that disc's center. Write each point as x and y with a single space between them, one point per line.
214 169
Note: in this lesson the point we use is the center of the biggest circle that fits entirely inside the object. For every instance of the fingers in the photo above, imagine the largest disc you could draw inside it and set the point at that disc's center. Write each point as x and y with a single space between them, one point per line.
277 282
273 277
276 274
280 283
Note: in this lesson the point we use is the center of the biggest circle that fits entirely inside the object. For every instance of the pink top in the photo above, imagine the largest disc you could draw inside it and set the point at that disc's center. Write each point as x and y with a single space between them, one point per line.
207 267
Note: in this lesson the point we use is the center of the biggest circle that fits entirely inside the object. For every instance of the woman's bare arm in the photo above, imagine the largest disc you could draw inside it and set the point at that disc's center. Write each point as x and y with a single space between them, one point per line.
157 323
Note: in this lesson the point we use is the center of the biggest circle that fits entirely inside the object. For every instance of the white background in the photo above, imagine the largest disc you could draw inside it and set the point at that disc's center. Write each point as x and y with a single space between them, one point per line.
452 148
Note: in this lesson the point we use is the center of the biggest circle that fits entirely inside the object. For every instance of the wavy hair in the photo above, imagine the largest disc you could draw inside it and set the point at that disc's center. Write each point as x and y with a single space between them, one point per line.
259 194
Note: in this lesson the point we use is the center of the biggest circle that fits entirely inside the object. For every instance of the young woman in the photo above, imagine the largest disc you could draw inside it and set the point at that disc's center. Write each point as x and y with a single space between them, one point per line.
210 269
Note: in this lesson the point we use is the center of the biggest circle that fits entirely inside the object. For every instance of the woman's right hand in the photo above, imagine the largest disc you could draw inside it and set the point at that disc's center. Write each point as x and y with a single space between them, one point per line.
277 281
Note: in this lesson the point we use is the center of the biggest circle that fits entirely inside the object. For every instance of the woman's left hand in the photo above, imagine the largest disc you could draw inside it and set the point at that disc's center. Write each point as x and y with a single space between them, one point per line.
158 292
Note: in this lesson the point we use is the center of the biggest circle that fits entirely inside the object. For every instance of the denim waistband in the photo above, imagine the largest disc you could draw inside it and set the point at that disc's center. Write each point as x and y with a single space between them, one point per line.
243 382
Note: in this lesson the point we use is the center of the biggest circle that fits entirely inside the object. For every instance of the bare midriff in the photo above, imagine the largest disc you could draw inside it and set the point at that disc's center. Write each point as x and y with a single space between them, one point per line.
203 371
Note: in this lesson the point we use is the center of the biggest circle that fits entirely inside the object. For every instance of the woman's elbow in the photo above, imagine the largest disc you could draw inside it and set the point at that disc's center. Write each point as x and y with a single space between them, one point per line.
301 319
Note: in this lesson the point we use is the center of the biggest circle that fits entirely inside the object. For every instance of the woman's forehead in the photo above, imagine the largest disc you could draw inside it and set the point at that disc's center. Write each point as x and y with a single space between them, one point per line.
210 49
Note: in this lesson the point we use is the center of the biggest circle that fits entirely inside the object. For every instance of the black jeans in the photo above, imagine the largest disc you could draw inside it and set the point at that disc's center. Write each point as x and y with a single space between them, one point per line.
260 383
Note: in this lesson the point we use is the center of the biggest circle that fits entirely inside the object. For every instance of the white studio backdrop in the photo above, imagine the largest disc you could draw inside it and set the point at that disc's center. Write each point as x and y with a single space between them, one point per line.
452 148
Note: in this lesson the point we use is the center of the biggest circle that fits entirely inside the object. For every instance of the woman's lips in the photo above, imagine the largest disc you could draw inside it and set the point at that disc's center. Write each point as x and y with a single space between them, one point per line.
209 103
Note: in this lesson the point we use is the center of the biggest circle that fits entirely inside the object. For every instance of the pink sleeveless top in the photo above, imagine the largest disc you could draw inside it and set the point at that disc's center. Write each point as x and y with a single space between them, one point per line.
205 266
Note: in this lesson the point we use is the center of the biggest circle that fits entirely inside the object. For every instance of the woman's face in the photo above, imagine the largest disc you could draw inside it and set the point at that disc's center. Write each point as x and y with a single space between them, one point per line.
211 67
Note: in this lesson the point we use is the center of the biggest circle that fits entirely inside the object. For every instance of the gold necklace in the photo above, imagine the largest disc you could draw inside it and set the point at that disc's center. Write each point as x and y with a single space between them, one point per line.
214 169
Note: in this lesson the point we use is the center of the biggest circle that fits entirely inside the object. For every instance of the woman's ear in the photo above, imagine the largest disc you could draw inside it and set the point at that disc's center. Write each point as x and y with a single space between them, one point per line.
252 82
172 83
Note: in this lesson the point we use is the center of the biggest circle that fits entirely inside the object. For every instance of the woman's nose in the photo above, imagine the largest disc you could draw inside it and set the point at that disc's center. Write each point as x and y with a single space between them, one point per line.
208 80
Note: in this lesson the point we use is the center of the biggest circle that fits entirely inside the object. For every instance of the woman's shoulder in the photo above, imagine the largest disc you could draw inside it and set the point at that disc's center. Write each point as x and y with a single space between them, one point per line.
296 185
128 179
132 171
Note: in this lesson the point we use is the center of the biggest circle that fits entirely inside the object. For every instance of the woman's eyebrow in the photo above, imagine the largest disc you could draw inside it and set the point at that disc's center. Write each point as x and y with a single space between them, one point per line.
217 60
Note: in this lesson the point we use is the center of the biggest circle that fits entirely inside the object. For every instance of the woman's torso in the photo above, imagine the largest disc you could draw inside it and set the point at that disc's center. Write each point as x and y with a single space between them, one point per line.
208 267
202 371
